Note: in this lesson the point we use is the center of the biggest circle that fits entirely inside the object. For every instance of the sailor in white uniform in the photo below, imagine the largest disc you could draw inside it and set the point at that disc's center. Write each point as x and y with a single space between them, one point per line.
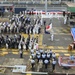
32 63
52 37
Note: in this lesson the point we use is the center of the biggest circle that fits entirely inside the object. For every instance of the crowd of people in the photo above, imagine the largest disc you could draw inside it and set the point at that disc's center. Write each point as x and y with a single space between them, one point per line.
18 42
45 57
21 23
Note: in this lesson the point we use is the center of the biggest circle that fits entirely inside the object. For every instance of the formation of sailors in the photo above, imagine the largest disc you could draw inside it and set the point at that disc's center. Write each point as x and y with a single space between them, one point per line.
21 23
47 57
18 42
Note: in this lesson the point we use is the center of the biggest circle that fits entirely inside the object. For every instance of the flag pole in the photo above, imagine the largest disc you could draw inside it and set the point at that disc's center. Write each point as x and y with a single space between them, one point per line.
46 7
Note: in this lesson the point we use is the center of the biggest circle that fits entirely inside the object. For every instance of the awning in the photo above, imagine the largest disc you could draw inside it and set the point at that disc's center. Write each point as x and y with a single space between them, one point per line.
71 9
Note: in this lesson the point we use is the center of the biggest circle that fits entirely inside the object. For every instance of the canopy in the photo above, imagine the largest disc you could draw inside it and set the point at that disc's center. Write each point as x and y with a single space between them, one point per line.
71 6
71 9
